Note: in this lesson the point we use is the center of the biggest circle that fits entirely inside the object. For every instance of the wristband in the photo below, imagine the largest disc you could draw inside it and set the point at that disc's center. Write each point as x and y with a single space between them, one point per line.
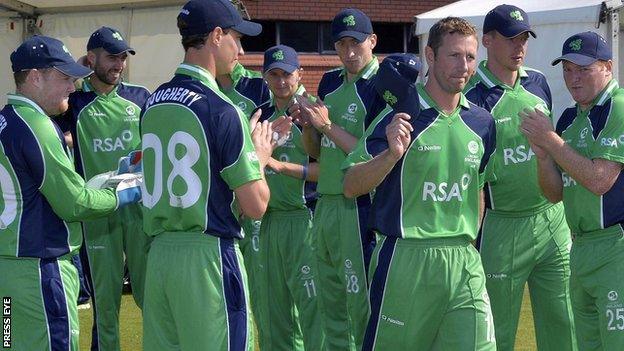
305 172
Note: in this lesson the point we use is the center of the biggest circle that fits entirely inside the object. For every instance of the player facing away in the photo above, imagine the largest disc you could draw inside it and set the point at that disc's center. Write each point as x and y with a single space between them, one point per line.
524 237
427 165
580 161
289 317
103 120
43 200
200 165
331 128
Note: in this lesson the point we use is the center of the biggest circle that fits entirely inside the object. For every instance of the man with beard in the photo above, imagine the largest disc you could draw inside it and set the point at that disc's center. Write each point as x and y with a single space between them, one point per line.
427 164
103 119
43 200
524 237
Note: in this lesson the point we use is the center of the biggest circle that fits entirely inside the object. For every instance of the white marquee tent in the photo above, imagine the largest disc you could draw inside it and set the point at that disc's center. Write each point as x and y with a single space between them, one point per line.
552 20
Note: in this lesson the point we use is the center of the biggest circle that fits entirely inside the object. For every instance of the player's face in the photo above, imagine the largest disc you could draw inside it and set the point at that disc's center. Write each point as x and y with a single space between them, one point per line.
282 84
55 88
229 50
585 82
507 53
454 63
354 55
108 67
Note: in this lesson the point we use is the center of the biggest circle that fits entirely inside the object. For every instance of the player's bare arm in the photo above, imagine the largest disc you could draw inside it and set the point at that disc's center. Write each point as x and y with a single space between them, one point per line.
363 177
597 175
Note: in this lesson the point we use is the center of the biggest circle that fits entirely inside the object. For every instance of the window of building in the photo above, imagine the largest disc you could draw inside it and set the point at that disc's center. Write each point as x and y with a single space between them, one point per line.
315 37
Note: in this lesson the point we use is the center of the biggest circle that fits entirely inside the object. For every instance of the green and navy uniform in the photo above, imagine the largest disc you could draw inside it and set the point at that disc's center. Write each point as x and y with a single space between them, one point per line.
196 150
288 278
43 199
248 91
104 128
428 287
596 222
524 237
343 244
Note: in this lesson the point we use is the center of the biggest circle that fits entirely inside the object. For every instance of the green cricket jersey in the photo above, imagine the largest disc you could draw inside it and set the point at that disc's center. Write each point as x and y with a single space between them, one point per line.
348 103
597 132
287 193
104 127
514 187
433 190
196 150
248 89
43 198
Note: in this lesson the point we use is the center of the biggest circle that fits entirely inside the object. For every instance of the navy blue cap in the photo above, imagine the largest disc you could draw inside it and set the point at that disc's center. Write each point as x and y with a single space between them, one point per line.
203 16
584 49
395 82
44 52
282 57
351 23
508 20
110 40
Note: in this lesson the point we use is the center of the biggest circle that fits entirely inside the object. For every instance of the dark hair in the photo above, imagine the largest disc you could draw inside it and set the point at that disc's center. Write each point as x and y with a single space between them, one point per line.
448 25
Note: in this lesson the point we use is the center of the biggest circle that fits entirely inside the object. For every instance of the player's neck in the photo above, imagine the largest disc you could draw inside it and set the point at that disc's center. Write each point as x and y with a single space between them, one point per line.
281 103
446 101
202 59
99 86
225 81
503 74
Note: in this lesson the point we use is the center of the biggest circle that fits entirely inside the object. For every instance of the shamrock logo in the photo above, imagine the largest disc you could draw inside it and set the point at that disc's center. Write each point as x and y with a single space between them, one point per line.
278 55
117 36
349 20
516 15
389 97
576 44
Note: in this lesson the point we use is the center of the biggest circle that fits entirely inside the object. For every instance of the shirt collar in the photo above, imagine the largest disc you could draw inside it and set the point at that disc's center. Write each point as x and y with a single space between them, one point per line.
426 102
21 100
199 73
87 87
365 73
300 91
606 93
490 80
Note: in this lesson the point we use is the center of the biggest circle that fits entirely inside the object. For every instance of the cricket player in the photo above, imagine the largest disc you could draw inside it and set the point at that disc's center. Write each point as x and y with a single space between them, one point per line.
103 119
427 164
331 129
288 280
200 163
524 237
581 162
247 90
43 200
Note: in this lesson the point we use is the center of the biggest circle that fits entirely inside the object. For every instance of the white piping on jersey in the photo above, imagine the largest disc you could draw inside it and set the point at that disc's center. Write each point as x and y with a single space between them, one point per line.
361 246
530 93
7 204
403 168
607 93
28 101
136 86
383 297
485 79
240 153
424 104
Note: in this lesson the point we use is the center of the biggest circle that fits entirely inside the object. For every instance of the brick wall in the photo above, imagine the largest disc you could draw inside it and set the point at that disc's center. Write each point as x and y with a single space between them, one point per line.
324 10
314 65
